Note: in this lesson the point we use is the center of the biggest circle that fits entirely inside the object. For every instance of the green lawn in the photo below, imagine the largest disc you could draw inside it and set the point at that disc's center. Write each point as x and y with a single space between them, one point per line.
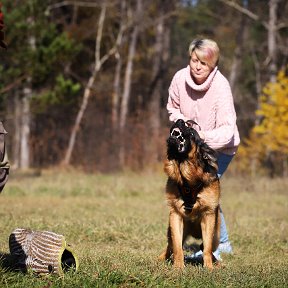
117 226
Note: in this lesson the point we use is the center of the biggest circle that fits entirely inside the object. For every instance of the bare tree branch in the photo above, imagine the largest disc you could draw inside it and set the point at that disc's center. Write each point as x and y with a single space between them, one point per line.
14 84
245 11
99 36
98 62
74 3
282 25
129 66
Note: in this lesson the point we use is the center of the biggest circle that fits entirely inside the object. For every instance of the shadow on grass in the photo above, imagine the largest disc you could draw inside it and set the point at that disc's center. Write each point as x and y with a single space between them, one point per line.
189 258
9 263
190 249
198 260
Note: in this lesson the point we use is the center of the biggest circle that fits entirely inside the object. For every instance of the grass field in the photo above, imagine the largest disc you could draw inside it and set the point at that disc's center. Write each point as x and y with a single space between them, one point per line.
117 226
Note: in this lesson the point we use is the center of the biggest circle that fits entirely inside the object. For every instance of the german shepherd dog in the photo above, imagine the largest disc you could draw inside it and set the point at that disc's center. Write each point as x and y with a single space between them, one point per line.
192 193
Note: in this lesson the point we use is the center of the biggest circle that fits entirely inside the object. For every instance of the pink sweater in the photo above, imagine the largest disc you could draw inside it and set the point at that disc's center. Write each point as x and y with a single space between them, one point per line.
209 104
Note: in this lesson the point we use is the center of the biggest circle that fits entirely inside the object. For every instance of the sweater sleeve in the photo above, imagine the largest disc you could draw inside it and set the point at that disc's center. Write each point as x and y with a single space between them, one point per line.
225 125
173 104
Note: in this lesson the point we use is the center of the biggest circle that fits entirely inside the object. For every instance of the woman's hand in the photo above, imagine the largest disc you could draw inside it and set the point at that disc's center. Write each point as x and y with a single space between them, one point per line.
202 135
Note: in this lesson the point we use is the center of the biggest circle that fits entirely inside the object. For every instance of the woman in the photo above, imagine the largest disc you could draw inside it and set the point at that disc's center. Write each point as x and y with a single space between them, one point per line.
201 93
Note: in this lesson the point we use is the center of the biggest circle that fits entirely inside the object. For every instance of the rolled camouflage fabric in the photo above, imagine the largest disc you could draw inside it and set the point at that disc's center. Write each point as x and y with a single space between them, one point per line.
4 161
42 252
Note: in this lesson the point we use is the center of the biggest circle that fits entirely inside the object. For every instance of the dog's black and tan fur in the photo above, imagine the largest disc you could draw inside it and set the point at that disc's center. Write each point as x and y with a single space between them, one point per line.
192 192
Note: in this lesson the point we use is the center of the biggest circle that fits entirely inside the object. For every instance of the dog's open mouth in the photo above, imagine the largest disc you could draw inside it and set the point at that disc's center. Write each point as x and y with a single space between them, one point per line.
180 140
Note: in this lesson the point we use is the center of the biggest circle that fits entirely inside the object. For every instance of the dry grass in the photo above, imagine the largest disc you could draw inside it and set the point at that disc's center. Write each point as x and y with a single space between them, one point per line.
117 224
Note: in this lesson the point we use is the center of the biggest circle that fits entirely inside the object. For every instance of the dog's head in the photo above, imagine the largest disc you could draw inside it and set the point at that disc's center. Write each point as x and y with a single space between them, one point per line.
180 140
184 139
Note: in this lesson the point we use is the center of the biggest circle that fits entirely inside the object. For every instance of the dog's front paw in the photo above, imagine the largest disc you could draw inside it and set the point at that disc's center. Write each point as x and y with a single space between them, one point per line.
179 262
207 261
179 265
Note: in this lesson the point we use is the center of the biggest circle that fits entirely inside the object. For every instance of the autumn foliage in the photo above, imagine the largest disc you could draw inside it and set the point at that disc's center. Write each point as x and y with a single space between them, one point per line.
270 136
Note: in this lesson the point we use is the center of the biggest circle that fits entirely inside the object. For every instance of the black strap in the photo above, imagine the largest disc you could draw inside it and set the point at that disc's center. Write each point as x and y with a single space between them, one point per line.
192 122
189 193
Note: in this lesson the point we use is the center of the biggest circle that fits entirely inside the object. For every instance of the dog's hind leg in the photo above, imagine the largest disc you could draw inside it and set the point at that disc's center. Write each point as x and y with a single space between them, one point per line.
166 254
217 231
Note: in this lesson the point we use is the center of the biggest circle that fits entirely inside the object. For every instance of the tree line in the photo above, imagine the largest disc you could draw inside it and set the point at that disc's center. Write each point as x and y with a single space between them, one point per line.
85 83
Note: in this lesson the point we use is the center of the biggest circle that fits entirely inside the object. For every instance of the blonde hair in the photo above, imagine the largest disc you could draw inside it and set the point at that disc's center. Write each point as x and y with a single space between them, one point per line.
206 50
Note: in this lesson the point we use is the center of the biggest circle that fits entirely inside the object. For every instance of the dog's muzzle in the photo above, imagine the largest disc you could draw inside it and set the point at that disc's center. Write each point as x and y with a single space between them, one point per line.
177 134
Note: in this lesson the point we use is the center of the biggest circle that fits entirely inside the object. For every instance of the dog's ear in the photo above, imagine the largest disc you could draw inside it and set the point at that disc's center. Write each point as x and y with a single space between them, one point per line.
209 157
196 136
